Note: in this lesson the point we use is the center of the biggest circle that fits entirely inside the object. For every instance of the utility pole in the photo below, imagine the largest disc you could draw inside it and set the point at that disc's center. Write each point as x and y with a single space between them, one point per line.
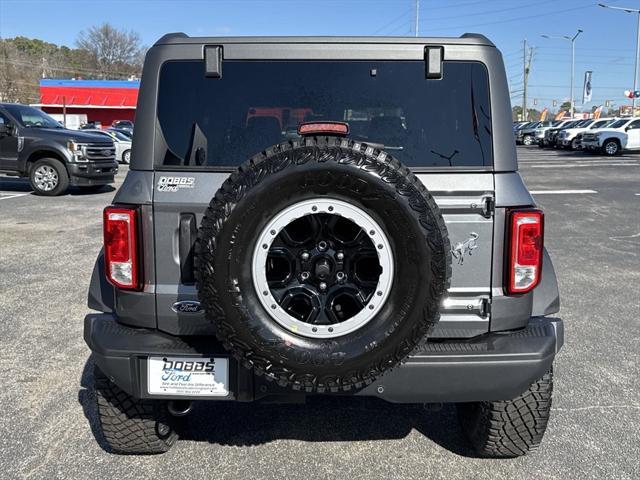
527 56
45 68
635 68
417 18
571 39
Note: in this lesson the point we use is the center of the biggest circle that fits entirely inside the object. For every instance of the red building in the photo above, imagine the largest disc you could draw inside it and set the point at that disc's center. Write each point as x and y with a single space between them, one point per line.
101 100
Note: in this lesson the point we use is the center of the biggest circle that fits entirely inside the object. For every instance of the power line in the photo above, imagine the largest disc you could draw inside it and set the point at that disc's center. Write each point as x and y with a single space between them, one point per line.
64 69
407 12
490 12
514 19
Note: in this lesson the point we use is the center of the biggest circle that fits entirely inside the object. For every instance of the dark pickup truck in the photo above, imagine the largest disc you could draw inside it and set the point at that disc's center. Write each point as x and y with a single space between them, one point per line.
34 145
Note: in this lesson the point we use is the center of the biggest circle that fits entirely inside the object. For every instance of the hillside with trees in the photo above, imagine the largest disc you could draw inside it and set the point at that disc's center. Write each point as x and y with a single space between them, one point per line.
101 52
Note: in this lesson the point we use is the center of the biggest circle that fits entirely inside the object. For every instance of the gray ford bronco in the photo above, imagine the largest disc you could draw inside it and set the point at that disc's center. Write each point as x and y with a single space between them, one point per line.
324 216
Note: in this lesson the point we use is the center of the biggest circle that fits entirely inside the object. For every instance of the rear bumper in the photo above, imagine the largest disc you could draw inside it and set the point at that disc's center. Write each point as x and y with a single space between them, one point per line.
495 366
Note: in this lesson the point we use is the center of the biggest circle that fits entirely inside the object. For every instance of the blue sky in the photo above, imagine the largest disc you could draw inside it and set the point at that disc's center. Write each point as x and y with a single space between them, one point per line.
607 45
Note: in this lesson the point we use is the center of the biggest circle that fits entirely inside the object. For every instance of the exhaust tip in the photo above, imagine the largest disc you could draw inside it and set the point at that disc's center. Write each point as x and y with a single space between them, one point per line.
179 408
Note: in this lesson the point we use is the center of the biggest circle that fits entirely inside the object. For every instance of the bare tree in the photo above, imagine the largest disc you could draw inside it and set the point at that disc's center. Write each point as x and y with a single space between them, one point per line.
116 52
18 75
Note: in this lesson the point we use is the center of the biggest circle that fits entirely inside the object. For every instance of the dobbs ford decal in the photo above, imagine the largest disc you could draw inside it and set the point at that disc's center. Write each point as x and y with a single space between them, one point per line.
193 376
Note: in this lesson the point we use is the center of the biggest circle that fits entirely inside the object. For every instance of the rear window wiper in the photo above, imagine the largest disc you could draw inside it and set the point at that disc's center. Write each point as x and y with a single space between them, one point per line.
382 146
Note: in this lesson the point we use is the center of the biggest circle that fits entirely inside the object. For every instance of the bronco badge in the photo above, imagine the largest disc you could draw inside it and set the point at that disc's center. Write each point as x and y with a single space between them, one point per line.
461 248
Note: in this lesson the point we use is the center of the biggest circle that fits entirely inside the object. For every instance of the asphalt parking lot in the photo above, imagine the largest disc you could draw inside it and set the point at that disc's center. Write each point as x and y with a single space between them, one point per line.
48 424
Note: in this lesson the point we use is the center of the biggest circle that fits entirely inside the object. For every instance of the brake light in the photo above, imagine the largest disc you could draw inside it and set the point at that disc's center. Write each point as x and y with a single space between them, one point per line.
525 250
320 128
121 247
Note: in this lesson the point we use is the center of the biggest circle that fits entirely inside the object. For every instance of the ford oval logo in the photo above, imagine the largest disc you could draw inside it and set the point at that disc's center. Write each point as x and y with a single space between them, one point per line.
106 152
186 306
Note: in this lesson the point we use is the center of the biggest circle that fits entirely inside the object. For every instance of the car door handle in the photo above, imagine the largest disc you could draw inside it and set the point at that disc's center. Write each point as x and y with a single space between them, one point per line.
186 242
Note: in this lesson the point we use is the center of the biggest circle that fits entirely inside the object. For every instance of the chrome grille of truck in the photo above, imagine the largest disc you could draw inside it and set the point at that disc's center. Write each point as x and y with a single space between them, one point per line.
99 152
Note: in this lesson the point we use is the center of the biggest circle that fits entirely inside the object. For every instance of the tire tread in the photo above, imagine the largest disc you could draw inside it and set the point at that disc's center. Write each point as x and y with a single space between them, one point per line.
509 428
130 425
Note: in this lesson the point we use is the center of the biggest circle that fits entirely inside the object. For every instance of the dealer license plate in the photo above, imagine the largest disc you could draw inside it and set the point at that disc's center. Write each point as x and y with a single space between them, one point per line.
189 376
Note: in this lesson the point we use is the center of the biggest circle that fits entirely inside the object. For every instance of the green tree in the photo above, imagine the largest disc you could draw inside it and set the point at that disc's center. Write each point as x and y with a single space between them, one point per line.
516 113
565 106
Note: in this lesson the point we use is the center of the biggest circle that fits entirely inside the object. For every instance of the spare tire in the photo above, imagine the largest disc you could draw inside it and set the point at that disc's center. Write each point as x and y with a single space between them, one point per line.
322 263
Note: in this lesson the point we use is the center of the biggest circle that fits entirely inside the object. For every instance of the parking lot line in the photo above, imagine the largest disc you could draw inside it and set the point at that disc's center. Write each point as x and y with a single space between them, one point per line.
6 197
542 165
560 192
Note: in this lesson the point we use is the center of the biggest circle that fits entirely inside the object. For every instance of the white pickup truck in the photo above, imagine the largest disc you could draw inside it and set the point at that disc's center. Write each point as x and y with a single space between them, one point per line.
624 134
571 137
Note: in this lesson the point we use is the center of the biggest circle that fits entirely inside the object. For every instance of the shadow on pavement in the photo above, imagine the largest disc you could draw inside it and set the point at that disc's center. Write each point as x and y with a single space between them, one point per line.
21 185
87 399
320 419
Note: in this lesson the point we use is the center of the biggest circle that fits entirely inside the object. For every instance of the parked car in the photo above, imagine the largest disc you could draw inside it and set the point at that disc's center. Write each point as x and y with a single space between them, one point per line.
541 129
92 125
525 134
550 134
121 141
124 125
243 262
569 137
35 146
126 133
623 134
602 123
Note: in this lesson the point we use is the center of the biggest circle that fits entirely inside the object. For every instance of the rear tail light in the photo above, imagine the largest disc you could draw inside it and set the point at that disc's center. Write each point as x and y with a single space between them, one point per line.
121 246
526 229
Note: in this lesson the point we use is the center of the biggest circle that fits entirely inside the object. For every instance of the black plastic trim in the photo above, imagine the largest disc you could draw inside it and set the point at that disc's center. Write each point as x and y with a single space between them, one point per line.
101 295
494 366
546 296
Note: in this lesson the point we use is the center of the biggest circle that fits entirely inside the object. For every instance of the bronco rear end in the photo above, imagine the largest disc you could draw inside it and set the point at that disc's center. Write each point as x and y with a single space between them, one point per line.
324 216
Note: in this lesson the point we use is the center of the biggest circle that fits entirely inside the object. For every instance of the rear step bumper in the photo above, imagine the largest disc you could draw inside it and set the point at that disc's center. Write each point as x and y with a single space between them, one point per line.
494 366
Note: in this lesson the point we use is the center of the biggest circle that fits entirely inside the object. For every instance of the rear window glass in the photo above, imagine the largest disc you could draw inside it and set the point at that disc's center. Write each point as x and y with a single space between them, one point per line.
209 122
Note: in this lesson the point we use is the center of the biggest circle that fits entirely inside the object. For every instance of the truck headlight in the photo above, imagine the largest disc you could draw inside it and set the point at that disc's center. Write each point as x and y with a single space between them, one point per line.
77 151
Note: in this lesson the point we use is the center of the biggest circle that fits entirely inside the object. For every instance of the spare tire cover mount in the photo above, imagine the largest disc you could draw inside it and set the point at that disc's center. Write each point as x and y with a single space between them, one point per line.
367 306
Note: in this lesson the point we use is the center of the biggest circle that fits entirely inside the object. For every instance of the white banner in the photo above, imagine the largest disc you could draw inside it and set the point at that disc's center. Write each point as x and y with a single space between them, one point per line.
586 92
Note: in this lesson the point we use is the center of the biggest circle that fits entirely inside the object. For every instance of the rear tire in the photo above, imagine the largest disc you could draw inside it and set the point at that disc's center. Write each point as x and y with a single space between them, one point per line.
611 147
131 425
126 157
528 140
49 177
509 428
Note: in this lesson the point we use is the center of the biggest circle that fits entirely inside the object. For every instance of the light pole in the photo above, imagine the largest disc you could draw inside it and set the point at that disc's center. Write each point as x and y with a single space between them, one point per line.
635 68
573 60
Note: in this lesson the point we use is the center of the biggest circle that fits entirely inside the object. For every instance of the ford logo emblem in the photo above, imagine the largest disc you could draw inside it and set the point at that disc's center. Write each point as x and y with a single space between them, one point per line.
106 152
186 306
